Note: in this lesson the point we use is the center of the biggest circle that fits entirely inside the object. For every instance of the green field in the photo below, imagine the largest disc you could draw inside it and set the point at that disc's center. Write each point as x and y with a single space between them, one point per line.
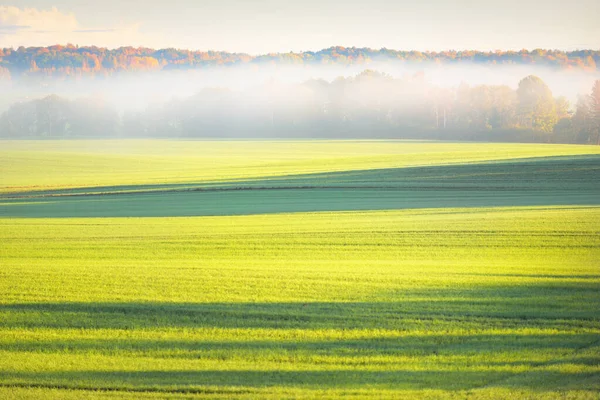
354 269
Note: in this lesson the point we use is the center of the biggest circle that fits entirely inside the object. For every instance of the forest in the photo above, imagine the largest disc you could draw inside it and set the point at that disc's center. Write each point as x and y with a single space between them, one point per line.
368 105
73 61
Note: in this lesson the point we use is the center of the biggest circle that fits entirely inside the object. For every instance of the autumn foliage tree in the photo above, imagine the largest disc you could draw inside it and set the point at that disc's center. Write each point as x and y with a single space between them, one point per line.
67 60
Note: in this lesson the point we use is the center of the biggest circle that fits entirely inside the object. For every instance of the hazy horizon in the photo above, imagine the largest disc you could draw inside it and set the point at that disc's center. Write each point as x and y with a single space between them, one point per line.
273 70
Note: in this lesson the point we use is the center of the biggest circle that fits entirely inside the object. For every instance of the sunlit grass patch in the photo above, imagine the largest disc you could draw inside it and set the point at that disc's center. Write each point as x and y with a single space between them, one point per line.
431 303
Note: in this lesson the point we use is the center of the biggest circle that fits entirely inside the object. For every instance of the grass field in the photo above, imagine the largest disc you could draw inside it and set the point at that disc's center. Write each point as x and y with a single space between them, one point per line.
347 269
38 165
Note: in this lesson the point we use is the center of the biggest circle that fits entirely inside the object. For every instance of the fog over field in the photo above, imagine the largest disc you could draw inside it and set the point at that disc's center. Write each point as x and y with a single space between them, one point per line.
463 101
137 90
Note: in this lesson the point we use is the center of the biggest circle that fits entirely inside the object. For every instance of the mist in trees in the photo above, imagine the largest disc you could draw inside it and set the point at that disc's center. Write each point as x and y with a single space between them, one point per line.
56 117
71 60
368 105
584 126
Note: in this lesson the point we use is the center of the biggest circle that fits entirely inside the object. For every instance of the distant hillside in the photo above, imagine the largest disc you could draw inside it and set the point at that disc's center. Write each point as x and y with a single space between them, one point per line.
73 60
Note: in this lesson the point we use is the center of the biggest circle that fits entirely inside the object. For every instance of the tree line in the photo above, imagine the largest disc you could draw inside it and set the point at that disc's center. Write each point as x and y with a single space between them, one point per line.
368 105
73 60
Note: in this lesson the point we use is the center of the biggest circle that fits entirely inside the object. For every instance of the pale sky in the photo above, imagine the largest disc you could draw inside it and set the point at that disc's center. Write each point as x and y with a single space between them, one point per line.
264 26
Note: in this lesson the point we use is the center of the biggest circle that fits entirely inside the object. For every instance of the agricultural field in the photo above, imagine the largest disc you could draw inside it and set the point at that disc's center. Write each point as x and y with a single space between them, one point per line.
309 269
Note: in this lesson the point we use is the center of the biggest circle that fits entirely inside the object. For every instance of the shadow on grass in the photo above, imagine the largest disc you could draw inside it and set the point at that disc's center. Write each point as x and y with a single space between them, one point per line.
187 381
460 361
544 304
378 351
537 182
